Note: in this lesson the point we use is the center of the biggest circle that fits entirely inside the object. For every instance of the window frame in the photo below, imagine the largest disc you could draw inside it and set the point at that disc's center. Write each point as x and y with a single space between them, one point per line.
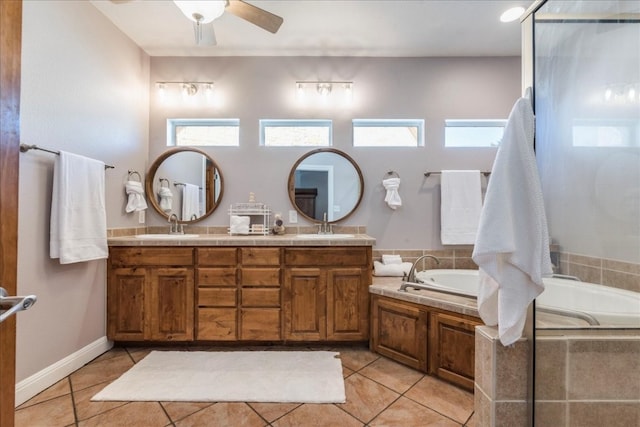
419 124
264 123
173 124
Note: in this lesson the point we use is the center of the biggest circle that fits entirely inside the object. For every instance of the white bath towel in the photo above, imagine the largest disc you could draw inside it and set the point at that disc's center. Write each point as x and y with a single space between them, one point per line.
239 224
512 247
190 201
78 227
391 270
391 259
166 199
460 206
136 201
392 198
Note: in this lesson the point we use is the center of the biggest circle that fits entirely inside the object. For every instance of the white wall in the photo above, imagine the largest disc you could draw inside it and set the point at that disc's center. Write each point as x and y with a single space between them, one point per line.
256 88
84 90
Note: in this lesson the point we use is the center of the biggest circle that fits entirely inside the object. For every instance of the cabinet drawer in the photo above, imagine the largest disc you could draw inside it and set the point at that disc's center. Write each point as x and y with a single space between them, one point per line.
260 297
217 324
260 277
260 256
331 257
217 256
217 276
151 256
260 324
217 297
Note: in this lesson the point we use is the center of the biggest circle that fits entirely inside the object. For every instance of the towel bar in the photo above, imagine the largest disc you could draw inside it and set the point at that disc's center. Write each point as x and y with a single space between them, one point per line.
427 174
24 148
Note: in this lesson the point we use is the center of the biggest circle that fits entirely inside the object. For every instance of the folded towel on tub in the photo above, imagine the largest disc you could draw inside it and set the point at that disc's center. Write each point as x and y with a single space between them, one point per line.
391 270
391 259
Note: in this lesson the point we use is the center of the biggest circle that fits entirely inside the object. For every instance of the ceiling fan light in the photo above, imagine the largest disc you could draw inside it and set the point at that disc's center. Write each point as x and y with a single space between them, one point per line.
202 11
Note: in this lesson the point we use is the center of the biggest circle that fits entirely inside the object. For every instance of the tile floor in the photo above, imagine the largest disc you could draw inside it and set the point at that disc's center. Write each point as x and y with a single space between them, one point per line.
380 392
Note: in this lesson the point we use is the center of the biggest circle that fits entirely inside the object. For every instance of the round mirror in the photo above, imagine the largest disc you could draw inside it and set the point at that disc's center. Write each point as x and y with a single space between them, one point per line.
325 184
184 181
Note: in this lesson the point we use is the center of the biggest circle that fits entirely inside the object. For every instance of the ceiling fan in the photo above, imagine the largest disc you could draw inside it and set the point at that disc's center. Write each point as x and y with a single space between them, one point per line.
204 12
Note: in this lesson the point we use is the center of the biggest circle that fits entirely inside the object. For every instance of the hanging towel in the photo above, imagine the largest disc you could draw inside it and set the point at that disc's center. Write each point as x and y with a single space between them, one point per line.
391 270
78 227
460 206
392 198
239 224
136 200
190 201
166 199
512 247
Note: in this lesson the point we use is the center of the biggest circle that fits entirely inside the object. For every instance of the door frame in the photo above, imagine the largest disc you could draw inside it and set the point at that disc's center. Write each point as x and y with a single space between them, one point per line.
10 51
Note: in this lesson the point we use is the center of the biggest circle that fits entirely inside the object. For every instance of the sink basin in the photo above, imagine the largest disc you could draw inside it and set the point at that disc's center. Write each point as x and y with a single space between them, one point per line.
324 236
167 236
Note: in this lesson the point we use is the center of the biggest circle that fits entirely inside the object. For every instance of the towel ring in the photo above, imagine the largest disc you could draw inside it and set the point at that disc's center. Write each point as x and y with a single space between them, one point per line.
165 180
392 173
130 172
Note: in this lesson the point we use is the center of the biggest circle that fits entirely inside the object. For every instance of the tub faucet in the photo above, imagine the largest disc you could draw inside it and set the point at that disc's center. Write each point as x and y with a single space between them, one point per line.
412 273
174 227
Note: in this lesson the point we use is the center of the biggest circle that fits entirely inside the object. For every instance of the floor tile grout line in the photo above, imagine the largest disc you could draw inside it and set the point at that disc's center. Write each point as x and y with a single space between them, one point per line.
73 401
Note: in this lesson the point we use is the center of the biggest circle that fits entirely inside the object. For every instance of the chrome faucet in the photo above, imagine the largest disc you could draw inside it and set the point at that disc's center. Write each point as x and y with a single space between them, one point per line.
325 227
412 273
174 227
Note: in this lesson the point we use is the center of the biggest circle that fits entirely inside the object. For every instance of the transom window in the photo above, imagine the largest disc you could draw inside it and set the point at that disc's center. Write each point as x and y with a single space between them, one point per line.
296 133
388 133
473 133
203 132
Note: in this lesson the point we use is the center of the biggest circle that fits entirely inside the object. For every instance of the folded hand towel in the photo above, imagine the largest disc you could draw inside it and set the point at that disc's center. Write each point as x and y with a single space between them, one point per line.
512 247
392 198
136 200
239 224
190 201
460 205
78 228
391 259
166 199
391 270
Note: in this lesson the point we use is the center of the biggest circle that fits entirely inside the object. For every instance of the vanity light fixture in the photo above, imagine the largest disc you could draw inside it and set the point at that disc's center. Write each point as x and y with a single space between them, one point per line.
324 89
188 88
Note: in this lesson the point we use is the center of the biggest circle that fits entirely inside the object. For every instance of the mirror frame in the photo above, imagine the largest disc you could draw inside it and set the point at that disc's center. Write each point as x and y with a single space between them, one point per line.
292 183
151 173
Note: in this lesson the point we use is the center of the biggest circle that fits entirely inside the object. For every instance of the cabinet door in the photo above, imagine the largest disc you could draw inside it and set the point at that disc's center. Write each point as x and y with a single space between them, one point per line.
171 304
304 304
347 304
399 331
452 349
126 307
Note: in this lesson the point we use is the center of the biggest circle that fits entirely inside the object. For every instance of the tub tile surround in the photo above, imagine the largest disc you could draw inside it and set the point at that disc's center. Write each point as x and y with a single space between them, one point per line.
608 272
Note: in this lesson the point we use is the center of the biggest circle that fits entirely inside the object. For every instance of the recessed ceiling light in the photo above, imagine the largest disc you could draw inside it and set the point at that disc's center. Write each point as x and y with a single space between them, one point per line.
512 14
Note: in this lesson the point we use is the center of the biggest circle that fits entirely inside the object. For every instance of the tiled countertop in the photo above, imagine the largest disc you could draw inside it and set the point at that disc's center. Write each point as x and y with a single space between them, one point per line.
388 287
227 240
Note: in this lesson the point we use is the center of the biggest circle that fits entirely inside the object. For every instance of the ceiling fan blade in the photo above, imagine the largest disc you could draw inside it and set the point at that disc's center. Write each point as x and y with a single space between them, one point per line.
207 35
255 15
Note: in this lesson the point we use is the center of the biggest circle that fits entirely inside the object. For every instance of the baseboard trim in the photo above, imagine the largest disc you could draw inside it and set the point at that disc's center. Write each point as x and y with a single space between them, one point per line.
50 375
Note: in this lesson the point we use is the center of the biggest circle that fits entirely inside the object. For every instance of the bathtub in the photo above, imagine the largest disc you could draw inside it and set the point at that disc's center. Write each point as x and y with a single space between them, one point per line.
600 306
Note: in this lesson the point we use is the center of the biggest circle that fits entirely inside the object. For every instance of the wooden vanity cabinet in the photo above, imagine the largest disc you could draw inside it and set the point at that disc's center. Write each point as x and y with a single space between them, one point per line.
434 341
400 331
150 294
238 294
326 293
453 355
